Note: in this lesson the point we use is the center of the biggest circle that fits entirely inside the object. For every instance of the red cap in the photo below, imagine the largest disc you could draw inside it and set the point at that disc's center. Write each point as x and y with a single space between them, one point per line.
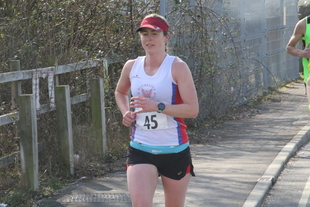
154 23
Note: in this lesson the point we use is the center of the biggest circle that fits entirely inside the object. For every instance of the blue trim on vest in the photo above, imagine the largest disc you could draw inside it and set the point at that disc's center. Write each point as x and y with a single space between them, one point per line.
159 149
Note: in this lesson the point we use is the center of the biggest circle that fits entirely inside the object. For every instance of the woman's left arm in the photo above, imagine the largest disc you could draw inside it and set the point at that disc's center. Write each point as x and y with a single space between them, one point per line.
184 79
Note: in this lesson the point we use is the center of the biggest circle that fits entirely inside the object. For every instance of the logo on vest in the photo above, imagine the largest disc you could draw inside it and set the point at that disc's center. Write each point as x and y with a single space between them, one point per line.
134 76
147 91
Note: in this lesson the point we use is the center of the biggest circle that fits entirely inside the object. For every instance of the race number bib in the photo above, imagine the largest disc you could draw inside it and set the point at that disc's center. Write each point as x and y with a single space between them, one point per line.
151 121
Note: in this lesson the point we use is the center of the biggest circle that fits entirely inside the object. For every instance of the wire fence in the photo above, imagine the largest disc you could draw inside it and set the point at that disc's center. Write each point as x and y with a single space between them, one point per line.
240 45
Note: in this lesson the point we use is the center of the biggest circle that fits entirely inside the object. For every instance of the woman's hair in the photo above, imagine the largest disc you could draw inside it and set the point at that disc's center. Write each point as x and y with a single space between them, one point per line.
161 18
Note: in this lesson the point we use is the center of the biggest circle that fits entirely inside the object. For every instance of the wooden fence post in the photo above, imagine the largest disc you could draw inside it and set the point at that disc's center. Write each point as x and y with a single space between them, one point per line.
98 114
15 86
28 142
64 126
53 61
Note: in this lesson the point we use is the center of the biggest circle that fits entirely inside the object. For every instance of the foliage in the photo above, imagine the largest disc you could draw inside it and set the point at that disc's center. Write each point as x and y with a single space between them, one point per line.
304 9
17 198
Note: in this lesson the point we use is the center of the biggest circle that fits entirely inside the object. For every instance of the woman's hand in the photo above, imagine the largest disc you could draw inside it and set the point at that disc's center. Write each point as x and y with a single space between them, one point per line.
143 104
128 118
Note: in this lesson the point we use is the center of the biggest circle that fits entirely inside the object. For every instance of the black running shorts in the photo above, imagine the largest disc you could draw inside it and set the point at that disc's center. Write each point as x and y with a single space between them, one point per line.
174 165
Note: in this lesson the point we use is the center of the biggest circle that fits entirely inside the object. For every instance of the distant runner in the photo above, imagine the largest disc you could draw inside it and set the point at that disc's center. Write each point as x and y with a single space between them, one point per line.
302 32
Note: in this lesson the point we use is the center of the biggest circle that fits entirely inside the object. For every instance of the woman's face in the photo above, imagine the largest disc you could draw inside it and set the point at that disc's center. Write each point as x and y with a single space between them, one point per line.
152 40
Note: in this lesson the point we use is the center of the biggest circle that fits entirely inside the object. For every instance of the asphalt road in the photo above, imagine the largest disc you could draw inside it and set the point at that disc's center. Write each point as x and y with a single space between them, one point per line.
293 185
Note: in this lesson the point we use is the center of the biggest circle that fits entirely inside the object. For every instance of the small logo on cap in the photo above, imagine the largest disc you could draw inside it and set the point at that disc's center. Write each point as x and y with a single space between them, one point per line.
157 28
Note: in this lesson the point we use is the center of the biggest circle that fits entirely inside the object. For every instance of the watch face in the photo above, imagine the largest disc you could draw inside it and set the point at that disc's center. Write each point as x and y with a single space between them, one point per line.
161 106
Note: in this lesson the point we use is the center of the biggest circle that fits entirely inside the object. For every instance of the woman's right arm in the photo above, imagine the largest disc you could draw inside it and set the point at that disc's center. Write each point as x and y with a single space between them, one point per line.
121 94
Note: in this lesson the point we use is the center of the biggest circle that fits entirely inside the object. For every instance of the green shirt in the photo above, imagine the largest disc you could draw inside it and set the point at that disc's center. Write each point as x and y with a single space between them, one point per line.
305 61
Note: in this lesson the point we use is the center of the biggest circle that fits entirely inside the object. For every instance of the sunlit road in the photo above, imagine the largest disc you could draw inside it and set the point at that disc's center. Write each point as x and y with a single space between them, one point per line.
293 185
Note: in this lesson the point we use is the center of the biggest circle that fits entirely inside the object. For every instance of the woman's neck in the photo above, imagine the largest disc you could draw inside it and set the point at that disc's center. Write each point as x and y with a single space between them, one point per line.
154 60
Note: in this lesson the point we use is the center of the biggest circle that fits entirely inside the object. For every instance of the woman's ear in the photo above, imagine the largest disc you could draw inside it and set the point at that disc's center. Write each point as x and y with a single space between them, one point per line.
168 35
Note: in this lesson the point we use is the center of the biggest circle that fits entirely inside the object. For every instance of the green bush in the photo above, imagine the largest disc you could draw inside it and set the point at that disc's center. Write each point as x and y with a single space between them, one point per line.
304 9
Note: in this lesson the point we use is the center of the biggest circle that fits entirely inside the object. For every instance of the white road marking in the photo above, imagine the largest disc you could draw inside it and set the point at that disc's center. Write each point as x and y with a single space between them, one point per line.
305 195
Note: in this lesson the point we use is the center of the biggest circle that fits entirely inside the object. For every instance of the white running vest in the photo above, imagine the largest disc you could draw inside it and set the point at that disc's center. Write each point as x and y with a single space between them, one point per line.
154 128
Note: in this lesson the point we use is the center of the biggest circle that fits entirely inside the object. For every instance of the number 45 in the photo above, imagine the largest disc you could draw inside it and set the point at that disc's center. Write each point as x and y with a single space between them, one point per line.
149 120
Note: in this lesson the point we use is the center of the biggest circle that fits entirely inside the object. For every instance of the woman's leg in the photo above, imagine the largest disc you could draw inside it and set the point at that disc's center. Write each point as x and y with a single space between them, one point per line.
175 190
142 181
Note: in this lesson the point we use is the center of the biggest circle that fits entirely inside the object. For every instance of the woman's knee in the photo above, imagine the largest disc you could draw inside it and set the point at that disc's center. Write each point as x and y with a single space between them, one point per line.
142 182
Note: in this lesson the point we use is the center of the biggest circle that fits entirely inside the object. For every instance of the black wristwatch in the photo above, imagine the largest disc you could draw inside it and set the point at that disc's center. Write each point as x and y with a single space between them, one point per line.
161 107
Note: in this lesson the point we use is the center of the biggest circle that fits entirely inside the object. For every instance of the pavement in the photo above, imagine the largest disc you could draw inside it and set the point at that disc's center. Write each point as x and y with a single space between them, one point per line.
237 169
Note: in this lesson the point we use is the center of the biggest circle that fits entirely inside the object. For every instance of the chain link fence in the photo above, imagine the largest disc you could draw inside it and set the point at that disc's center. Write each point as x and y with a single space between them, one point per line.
235 48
